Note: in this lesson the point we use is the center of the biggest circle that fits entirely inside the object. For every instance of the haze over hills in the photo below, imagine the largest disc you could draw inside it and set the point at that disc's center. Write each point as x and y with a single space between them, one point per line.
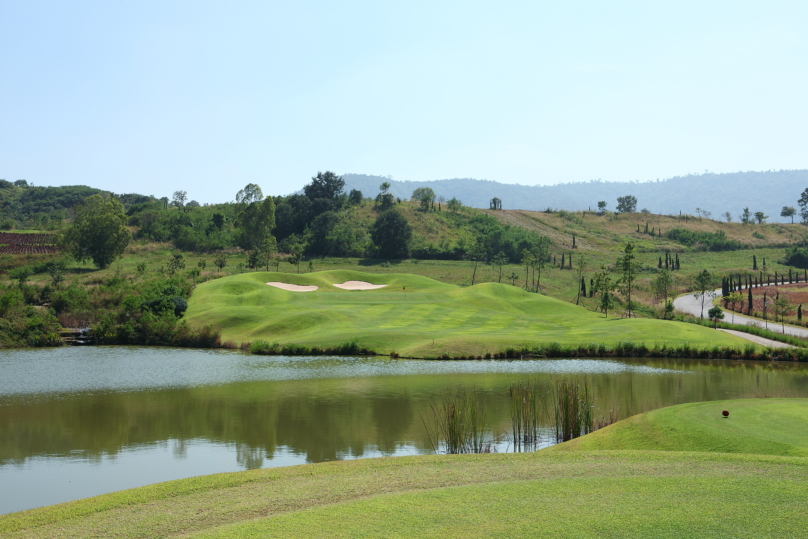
717 193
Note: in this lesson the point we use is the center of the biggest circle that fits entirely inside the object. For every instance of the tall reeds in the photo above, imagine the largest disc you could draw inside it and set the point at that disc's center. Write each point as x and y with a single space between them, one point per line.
525 415
458 424
573 409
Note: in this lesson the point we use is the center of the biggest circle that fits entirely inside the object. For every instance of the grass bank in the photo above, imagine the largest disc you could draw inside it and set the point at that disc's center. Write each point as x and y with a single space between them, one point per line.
759 491
419 317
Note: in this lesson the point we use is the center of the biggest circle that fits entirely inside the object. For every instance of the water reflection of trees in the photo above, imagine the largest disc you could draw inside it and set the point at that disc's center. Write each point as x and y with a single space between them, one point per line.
262 418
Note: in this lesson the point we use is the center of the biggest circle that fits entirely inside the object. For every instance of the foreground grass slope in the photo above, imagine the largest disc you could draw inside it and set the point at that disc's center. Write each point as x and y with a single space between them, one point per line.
417 316
551 493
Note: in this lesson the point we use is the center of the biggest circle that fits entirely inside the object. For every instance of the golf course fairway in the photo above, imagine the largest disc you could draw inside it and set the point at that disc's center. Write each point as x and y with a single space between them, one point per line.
563 491
417 316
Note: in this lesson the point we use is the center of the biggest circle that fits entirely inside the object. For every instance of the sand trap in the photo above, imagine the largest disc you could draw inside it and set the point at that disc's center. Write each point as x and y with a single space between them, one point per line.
294 287
359 285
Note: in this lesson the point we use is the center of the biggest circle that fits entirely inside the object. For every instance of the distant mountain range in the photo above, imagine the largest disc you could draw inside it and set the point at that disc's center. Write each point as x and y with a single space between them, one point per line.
717 193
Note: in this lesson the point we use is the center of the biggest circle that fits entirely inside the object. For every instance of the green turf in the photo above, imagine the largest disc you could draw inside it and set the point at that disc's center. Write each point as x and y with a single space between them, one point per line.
551 493
762 426
417 316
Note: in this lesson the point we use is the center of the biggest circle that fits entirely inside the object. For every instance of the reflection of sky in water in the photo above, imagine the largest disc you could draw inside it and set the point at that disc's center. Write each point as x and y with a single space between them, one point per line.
76 369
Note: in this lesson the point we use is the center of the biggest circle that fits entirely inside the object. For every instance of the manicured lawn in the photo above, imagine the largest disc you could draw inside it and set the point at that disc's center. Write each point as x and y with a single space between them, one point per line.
559 492
761 426
418 316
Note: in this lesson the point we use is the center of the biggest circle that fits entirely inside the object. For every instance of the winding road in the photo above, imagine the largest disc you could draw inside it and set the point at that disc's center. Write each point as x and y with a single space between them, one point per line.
691 304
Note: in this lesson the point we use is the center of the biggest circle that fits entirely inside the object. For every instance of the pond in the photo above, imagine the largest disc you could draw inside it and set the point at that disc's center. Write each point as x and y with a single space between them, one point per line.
77 422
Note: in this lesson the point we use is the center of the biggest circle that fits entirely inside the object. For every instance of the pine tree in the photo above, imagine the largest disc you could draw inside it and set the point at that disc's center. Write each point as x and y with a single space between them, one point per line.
749 300
799 312
562 260
583 287
659 265
754 262
677 261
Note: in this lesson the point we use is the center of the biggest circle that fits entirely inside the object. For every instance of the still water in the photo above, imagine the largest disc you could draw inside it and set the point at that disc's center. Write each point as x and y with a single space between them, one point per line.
77 422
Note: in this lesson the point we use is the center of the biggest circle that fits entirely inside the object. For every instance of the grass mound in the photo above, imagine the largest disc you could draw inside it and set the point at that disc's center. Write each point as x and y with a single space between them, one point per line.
760 426
418 316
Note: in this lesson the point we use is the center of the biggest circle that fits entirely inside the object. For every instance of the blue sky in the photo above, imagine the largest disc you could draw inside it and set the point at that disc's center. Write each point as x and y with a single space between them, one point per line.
152 97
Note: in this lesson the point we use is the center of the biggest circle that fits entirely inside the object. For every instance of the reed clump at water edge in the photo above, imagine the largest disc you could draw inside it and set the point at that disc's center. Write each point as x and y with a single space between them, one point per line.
458 423
573 409
525 415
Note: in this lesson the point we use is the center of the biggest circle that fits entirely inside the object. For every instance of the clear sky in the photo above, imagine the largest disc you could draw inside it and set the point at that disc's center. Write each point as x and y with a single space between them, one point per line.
153 97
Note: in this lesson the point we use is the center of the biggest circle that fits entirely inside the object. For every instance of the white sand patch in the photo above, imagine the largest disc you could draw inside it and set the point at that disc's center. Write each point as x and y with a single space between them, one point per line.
359 285
294 287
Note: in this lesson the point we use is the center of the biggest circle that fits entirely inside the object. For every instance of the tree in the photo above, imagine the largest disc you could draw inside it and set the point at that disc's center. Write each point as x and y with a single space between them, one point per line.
384 200
325 185
256 221
602 284
746 216
296 250
715 315
803 204
781 309
727 216
476 254
250 194
627 204
220 262
733 299
500 260
99 231
355 197
788 211
454 205
391 233
606 302
602 206
581 289
627 265
760 217
178 198
427 201
703 281
425 195
513 278
662 285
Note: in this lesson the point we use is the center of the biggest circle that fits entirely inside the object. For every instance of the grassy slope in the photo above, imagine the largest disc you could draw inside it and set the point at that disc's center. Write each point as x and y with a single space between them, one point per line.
766 427
553 493
413 311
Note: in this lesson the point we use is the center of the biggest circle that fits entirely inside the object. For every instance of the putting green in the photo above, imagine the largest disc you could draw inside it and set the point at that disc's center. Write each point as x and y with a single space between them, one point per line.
418 316
760 426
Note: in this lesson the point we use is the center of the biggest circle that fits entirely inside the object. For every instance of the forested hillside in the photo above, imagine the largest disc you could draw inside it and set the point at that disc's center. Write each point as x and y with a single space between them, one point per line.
716 193
145 272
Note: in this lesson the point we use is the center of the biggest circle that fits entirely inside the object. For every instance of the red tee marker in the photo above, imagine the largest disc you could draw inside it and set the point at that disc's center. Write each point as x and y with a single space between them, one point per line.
725 413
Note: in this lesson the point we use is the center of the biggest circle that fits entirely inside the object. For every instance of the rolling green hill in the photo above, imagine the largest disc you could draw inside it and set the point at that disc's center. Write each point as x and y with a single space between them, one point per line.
417 316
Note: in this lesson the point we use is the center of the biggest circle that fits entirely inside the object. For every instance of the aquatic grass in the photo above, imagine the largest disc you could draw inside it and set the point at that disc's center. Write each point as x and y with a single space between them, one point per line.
573 409
458 424
348 348
525 415
641 350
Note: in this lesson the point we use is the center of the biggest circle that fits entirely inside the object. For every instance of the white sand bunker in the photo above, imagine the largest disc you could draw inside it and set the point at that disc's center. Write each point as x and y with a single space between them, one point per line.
294 287
359 285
